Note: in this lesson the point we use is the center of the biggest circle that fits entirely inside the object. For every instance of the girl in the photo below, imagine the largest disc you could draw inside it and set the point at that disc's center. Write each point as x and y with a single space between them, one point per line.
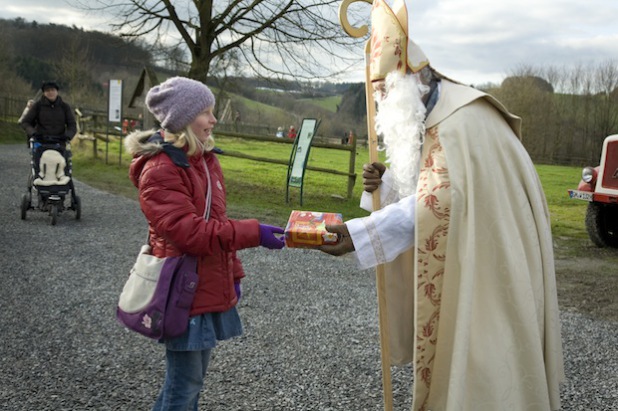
180 181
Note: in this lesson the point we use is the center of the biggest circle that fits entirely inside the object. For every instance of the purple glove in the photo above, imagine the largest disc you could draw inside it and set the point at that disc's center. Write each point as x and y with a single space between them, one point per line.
237 289
268 238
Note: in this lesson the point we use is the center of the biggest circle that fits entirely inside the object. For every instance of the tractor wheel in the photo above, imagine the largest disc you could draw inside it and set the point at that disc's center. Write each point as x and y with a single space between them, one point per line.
602 224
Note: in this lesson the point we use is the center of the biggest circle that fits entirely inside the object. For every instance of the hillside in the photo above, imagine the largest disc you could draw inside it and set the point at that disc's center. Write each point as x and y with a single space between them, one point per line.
80 59
566 112
273 108
82 62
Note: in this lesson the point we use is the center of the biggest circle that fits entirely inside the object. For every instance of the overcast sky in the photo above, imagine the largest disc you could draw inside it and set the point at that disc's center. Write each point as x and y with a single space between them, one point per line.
473 41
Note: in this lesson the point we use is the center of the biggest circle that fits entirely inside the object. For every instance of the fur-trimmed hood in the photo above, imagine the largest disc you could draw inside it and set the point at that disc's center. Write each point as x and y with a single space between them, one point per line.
137 143
144 145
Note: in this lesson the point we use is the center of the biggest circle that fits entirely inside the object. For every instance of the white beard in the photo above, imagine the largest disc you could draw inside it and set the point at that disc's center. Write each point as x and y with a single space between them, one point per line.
401 121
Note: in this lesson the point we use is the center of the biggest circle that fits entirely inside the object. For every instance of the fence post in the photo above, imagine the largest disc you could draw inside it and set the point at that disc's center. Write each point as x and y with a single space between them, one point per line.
352 176
94 128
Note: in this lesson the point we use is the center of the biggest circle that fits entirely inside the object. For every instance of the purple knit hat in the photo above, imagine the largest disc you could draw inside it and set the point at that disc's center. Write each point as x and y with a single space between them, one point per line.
176 102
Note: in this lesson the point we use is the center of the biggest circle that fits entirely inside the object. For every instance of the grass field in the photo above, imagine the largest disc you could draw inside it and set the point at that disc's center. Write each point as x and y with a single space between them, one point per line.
258 189
254 188
328 103
567 215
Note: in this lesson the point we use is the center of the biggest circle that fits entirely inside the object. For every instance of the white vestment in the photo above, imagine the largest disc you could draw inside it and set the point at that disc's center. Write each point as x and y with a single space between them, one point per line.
496 343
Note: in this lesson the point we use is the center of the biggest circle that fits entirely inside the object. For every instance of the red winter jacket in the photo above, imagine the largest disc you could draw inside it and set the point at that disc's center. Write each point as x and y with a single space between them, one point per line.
173 198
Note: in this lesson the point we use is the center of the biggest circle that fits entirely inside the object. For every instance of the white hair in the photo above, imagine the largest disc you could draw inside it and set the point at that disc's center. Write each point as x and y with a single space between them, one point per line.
401 121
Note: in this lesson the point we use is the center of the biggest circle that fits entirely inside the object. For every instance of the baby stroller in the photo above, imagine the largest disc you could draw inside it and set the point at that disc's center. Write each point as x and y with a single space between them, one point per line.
50 179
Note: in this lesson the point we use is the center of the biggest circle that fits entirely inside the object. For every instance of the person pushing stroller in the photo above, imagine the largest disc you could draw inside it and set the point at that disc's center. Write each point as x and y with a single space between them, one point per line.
49 121
50 126
50 116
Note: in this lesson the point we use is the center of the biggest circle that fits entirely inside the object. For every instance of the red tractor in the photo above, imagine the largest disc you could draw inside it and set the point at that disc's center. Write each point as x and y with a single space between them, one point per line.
599 186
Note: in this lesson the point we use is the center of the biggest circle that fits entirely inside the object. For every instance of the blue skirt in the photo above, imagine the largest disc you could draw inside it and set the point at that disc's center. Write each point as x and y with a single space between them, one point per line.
205 330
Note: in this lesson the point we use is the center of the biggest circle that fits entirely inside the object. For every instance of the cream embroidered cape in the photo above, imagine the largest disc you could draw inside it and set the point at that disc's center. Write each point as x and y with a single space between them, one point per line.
498 343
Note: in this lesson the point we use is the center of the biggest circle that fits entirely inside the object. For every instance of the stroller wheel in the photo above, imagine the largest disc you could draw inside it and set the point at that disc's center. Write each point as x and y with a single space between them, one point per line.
77 206
54 213
25 205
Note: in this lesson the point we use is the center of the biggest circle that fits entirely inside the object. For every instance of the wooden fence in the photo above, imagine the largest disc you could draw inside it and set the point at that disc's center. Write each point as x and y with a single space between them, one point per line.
93 127
351 148
11 107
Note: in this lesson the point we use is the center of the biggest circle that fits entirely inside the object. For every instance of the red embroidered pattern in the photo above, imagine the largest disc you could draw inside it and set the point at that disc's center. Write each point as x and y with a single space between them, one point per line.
433 216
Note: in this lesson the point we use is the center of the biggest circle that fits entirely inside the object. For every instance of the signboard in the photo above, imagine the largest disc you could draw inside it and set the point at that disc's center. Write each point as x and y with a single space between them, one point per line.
300 155
115 101
114 113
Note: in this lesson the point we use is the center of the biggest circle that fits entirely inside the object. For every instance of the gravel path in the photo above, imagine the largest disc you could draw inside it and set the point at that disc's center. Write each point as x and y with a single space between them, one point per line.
311 334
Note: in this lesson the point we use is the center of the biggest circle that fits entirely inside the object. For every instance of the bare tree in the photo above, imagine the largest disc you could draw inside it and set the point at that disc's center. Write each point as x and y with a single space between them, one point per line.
299 38
567 112
527 94
596 110
223 70
10 83
174 58
606 81
558 120
74 70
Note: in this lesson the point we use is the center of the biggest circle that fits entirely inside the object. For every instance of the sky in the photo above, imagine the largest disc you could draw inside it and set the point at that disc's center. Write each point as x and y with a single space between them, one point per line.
473 41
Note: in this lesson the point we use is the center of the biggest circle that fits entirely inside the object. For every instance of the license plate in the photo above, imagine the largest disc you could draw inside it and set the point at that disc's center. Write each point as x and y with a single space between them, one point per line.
580 195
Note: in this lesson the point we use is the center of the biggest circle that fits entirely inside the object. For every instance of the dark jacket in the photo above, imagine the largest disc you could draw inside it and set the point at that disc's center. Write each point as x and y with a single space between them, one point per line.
172 195
50 119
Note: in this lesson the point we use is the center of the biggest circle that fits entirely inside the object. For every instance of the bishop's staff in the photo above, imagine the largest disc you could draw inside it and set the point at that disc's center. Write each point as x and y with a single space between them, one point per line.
373 157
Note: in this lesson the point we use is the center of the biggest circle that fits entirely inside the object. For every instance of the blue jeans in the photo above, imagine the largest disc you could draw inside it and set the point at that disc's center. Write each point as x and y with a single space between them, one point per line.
184 379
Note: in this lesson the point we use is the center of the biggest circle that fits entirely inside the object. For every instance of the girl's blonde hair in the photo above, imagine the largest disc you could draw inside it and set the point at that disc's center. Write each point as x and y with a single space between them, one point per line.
188 138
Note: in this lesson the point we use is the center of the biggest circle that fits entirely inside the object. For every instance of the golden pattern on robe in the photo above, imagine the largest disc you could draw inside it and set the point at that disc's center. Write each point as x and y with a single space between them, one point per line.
433 214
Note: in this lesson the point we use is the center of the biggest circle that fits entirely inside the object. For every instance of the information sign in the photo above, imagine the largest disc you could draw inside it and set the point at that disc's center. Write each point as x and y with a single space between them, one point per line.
300 155
115 101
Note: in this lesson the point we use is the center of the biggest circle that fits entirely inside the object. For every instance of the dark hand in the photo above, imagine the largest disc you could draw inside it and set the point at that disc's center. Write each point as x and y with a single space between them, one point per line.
343 246
372 176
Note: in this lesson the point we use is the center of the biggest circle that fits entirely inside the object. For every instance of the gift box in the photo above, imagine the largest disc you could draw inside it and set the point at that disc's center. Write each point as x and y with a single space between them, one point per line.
307 229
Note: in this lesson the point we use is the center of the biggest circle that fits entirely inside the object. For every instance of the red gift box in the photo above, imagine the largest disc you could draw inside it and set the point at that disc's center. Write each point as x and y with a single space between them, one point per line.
307 229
